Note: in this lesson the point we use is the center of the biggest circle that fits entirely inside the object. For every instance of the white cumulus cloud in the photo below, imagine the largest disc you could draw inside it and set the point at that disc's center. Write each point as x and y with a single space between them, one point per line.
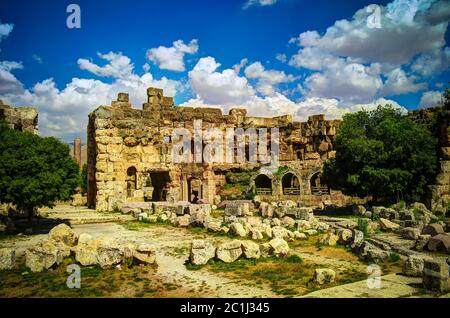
266 79
215 87
262 3
64 112
172 58
118 65
430 99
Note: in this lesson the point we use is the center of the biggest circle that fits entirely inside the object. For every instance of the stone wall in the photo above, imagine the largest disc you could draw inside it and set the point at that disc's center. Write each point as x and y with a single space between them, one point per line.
130 153
439 191
19 118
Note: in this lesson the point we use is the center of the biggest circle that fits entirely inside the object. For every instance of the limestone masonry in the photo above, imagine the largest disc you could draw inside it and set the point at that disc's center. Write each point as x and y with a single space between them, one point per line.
130 155
20 118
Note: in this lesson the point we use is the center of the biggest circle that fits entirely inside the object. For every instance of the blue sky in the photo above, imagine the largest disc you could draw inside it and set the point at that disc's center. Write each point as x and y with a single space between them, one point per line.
272 57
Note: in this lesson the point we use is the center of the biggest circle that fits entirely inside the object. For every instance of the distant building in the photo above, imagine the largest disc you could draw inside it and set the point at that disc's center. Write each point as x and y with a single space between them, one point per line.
79 152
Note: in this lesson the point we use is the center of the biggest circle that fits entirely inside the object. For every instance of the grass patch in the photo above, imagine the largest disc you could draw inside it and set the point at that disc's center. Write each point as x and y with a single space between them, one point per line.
95 282
394 257
218 213
286 276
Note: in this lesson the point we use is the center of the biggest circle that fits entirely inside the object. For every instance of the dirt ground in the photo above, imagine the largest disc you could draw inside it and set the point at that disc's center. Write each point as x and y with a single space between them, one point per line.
173 277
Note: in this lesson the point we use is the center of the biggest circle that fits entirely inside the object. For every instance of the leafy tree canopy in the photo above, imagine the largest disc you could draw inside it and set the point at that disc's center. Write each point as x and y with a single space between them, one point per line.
35 171
382 153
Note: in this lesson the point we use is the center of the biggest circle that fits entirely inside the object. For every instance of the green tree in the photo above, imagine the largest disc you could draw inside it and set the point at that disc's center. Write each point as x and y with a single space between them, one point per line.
83 181
35 171
382 153
446 98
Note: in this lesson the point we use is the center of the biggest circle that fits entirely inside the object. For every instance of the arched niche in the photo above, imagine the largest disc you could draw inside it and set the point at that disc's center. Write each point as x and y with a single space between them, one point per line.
290 184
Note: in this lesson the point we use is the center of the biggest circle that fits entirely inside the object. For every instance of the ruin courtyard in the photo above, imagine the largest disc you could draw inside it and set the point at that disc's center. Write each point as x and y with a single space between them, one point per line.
152 226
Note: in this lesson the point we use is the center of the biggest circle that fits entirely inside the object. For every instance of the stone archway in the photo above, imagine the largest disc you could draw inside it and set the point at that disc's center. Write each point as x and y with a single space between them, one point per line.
160 181
290 184
317 186
263 185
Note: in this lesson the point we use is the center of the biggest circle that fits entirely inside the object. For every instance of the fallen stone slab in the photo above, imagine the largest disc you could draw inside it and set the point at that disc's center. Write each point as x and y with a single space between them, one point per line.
238 229
439 243
413 266
328 239
237 209
387 225
109 253
230 251
435 275
266 209
86 250
279 247
7 258
41 257
345 236
433 229
223 204
250 250
410 233
145 254
324 276
392 286
201 252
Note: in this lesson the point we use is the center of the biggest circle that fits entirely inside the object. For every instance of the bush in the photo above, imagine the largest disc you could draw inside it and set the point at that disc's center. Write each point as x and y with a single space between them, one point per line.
294 259
363 226
394 257
115 208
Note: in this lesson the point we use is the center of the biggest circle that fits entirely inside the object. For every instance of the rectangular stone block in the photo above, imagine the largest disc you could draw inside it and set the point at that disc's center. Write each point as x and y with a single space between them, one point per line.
435 275
237 209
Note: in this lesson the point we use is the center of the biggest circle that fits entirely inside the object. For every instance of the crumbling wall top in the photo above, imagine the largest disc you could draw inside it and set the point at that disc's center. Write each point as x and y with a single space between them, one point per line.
19 118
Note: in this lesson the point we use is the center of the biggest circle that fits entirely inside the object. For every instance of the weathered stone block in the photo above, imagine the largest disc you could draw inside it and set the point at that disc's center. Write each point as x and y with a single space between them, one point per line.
435 275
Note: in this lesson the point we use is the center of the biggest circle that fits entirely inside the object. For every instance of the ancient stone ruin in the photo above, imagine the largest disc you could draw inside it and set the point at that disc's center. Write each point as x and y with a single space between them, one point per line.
439 192
130 155
19 118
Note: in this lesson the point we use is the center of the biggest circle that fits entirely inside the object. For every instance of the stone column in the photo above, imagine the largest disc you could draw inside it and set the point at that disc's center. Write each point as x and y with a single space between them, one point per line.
77 150
208 185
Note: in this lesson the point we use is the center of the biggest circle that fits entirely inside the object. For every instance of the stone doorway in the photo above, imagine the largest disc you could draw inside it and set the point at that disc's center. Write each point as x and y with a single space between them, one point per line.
291 184
160 181
194 190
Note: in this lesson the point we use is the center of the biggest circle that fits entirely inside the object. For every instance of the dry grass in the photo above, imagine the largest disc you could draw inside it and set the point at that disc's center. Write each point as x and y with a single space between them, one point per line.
95 282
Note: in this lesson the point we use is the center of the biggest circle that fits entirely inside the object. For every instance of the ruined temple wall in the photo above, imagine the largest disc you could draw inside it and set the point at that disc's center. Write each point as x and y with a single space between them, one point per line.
121 138
20 118
439 191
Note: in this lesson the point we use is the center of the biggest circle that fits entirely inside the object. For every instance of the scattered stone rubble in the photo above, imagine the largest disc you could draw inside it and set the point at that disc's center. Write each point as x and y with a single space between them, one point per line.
239 219
415 223
324 276
62 242
288 221
202 251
